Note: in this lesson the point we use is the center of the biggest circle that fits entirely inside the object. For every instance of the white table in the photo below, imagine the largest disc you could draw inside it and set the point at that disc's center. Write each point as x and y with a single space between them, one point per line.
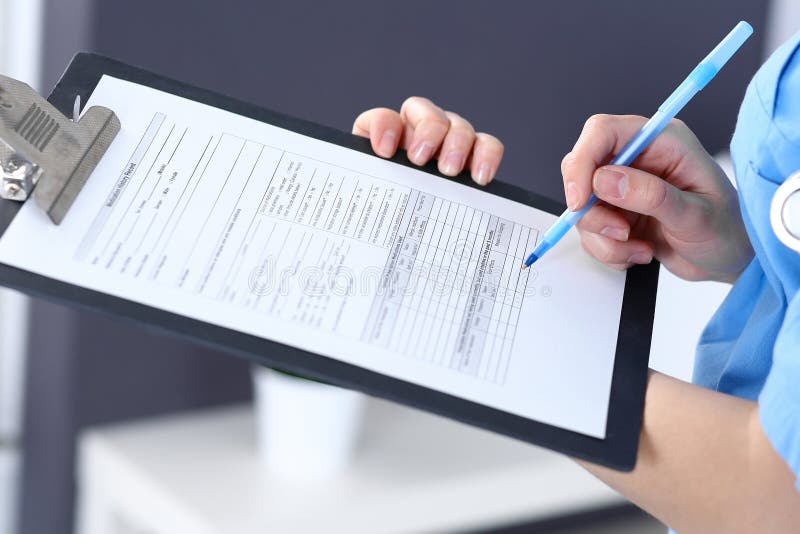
198 474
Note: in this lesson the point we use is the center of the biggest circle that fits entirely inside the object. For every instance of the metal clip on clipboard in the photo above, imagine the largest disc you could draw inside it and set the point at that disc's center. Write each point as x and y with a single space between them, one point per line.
46 154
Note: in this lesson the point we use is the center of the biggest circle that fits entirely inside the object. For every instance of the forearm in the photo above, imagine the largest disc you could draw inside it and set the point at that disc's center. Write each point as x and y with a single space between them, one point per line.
704 464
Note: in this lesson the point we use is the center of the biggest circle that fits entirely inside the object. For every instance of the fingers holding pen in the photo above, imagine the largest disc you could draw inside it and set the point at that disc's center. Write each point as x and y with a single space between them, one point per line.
640 192
602 135
606 235
614 253
605 221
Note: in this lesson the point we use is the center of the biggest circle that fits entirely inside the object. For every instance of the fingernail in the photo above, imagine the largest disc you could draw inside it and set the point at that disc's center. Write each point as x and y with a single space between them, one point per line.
640 257
615 233
572 196
452 163
387 143
422 152
484 174
610 183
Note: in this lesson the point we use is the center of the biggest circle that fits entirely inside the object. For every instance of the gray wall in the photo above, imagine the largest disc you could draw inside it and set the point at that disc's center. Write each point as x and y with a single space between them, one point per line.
529 72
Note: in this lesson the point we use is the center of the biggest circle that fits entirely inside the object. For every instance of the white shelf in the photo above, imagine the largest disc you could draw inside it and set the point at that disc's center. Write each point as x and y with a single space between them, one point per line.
413 472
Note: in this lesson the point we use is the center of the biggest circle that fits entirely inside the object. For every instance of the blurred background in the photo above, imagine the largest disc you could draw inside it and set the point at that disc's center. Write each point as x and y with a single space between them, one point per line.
106 427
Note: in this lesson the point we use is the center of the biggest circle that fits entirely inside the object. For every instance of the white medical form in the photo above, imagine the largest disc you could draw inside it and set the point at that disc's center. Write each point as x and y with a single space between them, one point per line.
237 223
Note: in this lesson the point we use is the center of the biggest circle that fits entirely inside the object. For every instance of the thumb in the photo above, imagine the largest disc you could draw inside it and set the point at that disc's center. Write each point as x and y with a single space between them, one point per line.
641 192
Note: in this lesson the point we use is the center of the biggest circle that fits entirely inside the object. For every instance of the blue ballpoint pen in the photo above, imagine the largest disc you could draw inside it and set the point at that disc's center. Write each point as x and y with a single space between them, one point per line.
697 79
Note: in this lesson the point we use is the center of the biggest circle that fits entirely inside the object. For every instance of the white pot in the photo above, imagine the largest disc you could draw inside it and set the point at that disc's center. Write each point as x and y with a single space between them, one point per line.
304 430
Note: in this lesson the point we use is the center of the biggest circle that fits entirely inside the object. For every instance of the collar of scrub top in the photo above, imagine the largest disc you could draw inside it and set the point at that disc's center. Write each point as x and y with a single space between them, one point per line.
785 212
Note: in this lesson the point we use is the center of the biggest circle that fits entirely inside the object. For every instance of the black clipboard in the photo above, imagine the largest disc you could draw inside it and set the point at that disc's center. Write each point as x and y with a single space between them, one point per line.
617 450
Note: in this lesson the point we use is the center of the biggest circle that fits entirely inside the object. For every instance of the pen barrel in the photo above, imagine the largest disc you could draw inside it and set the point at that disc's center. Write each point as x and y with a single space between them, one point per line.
647 133
566 221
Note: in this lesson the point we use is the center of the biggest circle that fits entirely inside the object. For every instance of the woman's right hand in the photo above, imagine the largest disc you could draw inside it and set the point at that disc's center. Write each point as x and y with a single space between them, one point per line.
674 203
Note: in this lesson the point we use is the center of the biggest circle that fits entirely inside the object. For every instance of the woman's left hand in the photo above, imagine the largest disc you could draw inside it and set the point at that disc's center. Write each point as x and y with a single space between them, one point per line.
427 132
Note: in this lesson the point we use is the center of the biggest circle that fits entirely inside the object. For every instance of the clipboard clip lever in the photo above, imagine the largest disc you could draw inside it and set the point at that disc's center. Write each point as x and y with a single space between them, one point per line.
45 154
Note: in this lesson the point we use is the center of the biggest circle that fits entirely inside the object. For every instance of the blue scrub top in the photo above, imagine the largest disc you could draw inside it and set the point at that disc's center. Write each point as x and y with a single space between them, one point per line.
751 347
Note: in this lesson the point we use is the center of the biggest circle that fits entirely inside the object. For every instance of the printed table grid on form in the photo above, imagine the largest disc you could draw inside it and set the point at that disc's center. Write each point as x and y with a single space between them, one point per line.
240 222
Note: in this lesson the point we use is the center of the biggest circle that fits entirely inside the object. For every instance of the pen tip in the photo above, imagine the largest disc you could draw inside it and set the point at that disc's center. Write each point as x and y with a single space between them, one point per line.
531 260
524 267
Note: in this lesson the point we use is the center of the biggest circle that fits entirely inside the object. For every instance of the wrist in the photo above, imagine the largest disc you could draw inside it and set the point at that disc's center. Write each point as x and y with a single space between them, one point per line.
745 259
